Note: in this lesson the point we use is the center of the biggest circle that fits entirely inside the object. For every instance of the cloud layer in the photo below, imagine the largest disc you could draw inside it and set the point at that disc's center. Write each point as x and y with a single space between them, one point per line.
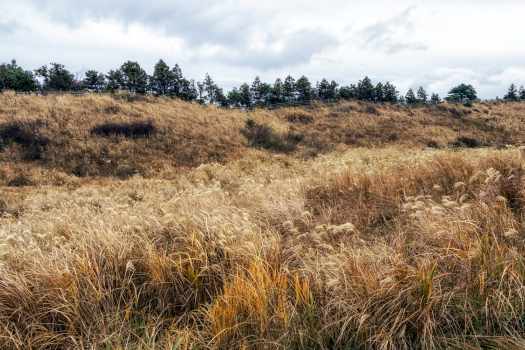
435 44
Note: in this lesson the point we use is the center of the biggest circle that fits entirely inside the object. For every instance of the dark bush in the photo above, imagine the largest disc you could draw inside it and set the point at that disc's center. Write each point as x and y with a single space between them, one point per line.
433 144
466 142
20 181
26 134
125 171
263 136
131 130
300 117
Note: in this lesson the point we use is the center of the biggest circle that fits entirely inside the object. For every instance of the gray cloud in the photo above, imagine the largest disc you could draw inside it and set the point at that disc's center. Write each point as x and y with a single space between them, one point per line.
294 49
236 39
392 35
197 22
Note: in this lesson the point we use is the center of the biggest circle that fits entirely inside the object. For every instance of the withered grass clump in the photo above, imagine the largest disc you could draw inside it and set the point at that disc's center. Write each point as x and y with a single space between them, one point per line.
263 136
371 249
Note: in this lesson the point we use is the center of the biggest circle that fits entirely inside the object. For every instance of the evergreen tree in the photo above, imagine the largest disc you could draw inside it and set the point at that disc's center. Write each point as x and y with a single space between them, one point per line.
435 100
332 95
289 89
94 81
522 93
327 90
379 93
365 90
187 90
512 94
347 92
134 78
323 90
178 82
209 89
246 95
220 98
462 93
390 93
265 93
163 79
422 95
115 81
13 77
56 77
304 89
255 91
234 98
277 92
410 97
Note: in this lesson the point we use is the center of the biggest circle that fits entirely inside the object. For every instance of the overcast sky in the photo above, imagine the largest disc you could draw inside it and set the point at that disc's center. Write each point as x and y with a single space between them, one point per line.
409 42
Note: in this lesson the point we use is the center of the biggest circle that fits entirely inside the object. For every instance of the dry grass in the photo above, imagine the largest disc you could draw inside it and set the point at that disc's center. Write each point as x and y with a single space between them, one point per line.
368 248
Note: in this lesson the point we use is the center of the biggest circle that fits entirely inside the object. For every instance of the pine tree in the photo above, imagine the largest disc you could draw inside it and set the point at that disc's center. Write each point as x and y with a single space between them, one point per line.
347 92
13 77
94 81
234 98
255 91
265 93
56 77
379 92
332 95
462 93
210 89
410 97
522 93
304 89
365 90
178 82
114 80
289 89
162 80
277 92
422 96
434 99
187 90
390 93
246 95
323 90
134 78
512 94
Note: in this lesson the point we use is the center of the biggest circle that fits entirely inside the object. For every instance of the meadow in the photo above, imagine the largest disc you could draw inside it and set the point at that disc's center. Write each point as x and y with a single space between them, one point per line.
150 223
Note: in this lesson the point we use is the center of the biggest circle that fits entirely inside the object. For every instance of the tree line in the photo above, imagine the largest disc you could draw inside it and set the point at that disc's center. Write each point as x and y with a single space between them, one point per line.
170 81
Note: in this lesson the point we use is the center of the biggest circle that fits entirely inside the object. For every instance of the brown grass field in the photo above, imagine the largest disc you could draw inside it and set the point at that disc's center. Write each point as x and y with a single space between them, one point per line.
157 224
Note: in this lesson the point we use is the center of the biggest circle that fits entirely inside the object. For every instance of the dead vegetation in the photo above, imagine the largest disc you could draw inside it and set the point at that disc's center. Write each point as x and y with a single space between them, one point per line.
391 247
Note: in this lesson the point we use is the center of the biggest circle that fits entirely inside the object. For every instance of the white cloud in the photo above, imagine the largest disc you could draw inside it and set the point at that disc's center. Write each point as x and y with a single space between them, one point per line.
409 42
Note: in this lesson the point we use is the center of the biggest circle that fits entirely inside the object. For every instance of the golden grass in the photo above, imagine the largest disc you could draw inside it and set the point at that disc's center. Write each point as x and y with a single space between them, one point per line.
392 247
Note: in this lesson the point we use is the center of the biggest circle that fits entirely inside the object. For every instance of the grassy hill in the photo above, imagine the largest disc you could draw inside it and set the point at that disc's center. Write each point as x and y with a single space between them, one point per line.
157 224
90 136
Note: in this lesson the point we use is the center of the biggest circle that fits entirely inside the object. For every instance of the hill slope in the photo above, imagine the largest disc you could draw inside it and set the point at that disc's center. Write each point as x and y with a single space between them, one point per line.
311 240
105 136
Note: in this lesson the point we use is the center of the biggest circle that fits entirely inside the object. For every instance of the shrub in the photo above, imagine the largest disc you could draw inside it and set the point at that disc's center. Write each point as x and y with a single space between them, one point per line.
433 144
125 171
131 130
466 142
26 134
300 117
263 136
20 181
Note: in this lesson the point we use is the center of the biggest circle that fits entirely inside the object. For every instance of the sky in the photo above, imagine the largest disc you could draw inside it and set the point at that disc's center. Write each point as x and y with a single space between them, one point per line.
435 44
